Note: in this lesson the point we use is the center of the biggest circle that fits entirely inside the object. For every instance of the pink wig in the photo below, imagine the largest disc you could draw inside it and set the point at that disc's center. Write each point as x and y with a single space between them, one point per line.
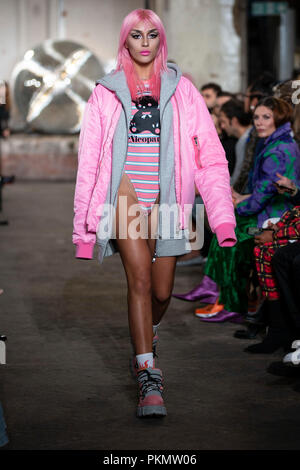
125 62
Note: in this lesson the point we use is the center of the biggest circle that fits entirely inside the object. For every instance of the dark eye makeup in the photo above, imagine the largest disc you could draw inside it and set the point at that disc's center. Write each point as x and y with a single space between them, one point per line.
137 34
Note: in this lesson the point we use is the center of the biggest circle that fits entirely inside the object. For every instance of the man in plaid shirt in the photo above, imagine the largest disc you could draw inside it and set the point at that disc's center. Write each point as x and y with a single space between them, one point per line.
280 234
277 261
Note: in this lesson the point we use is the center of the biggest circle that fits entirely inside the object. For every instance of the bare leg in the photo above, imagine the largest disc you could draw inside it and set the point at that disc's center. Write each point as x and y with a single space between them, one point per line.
136 259
162 285
149 284
162 276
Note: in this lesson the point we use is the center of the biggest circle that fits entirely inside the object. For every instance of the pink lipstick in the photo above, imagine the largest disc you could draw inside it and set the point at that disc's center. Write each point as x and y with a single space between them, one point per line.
145 52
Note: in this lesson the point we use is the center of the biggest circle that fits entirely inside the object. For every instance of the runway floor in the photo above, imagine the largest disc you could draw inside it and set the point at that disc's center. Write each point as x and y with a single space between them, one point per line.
66 383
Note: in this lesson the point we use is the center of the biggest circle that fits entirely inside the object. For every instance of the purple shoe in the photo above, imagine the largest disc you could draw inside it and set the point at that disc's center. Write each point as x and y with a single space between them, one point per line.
222 317
207 291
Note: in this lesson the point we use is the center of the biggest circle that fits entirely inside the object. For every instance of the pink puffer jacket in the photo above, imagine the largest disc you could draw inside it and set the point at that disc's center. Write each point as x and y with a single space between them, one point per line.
199 159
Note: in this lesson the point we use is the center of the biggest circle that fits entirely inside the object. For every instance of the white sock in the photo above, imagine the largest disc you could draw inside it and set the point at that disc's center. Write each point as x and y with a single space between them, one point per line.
145 360
155 328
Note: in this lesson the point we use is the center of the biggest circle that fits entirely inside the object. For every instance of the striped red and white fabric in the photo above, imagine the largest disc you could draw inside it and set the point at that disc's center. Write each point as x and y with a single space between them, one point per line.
142 162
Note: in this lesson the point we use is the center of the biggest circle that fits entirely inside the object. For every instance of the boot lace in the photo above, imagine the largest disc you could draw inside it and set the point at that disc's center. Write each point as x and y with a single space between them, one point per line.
149 382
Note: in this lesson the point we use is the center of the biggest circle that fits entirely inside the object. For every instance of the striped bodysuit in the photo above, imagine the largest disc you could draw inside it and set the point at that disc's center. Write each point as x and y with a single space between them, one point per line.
142 162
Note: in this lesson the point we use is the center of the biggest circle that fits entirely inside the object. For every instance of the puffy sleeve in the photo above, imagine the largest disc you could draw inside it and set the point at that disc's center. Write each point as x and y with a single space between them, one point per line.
90 141
211 174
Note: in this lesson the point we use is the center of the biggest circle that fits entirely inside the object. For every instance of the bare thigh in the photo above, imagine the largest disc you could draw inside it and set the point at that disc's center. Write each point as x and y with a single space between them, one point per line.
134 252
130 221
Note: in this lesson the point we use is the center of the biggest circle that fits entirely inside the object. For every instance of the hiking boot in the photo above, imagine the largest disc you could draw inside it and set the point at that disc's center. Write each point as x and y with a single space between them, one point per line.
150 388
133 362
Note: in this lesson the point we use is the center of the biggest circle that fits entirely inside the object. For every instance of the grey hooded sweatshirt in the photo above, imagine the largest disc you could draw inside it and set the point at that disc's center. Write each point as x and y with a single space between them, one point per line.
176 243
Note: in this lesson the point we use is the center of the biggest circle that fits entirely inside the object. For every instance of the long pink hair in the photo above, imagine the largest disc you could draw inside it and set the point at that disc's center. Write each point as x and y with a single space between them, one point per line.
124 60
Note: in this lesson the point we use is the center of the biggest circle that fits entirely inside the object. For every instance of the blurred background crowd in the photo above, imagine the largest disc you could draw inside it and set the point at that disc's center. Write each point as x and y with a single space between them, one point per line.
256 282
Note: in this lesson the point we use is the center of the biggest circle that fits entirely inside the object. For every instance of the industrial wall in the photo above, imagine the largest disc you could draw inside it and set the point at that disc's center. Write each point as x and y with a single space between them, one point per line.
201 34
203 39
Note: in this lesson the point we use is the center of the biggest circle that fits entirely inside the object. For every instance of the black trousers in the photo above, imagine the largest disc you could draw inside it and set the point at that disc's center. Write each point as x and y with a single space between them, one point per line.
286 265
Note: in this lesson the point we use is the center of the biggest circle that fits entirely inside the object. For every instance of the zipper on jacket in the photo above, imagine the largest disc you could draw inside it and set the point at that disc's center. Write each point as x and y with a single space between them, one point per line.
179 154
197 151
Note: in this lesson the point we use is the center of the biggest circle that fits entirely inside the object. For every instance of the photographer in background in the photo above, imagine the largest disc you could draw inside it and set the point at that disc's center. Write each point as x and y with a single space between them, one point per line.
4 133
4 109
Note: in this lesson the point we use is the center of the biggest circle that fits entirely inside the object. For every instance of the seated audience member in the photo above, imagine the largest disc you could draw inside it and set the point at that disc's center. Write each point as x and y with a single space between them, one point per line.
228 142
210 91
227 269
286 267
257 90
282 321
222 98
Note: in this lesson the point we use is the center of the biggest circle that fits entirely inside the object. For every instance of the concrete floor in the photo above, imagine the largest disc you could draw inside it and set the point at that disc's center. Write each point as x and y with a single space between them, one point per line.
66 384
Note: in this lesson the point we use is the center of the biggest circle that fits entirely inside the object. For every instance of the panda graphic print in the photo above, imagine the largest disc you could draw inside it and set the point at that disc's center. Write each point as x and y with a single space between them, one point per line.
142 162
147 117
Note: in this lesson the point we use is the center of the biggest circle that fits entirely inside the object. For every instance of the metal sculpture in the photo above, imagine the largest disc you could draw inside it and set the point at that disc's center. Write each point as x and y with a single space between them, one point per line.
52 85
